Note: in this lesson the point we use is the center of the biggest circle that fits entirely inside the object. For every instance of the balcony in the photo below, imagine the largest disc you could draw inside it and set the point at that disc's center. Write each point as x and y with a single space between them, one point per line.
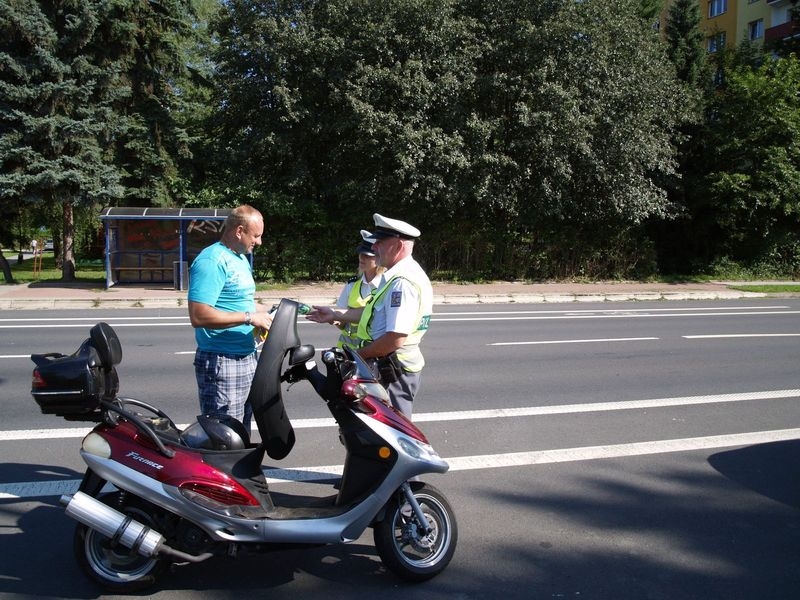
783 31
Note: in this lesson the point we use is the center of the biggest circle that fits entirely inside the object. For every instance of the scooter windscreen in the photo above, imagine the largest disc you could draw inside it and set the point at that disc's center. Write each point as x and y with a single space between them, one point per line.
274 426
358 369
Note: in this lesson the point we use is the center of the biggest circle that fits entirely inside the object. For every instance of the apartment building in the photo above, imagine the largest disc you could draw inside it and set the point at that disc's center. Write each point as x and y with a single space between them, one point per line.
784 21
728 22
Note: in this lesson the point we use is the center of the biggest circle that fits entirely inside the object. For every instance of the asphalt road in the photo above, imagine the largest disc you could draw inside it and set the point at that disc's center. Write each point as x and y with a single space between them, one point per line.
631 450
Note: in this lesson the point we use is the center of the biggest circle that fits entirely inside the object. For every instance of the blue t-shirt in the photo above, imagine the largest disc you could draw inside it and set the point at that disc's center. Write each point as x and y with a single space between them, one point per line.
223 279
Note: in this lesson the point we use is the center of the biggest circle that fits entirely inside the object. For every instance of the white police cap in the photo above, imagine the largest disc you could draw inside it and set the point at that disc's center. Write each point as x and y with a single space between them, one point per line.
365 247
386 227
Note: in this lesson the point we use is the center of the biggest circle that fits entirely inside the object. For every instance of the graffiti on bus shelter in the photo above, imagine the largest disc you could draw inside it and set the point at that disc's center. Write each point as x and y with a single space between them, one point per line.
205 226
149 234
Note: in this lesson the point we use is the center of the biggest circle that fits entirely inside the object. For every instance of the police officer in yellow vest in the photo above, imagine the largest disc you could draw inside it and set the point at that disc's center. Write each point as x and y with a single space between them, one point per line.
358 291
392 323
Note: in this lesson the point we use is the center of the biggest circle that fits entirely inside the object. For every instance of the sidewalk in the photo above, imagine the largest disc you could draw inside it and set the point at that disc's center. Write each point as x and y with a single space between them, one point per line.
55 294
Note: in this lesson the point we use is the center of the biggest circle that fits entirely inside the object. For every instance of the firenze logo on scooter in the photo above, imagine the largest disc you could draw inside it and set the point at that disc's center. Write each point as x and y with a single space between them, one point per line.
206 495
145 461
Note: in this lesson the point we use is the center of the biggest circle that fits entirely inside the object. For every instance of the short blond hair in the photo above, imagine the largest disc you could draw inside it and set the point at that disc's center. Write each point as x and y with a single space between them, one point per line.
241 215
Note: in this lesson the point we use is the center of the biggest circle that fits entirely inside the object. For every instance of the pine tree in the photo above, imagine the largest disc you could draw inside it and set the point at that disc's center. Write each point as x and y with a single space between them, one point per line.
56 116
686 42
147 40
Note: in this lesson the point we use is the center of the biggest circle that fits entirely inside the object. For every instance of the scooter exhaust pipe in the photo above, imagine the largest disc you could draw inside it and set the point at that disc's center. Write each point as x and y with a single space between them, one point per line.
113 524
122 529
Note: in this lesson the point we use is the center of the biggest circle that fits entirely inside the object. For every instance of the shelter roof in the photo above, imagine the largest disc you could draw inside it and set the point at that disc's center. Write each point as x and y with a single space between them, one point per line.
187 214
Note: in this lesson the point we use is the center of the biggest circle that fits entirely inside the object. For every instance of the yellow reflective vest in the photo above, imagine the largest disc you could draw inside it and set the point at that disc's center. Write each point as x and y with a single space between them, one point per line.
349 335
409 353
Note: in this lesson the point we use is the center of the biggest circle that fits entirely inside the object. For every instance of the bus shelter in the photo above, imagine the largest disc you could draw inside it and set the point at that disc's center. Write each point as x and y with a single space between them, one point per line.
157 245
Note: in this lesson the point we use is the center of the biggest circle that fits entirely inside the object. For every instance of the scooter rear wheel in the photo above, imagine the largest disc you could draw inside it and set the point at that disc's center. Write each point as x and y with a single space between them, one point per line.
115 567
404 548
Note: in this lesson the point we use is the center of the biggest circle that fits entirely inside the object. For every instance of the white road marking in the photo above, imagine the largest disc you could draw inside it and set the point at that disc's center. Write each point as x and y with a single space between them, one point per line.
93 320
616 315
108 319
124 321
513 459
563 409
467 415
590 341
85 325
739 335
621 311
38 489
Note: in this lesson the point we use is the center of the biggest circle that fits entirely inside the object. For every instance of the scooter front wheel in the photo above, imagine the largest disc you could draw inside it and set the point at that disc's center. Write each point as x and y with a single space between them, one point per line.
113 566
411 551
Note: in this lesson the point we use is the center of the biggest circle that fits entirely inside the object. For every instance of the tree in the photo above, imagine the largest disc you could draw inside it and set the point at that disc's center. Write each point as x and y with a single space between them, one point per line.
650 10
147 40
330 111
686 43
753 181
684 240
576 107
9 214
96 105
489 122
57 118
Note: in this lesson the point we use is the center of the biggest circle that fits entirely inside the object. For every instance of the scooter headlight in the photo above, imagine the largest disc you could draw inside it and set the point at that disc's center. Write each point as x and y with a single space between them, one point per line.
417 449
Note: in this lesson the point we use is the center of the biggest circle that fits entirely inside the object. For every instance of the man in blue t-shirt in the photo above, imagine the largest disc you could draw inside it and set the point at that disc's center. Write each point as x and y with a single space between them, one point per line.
223 312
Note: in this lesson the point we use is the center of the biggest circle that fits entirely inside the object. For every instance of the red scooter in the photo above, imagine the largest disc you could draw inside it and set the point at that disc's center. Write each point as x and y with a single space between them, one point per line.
189 495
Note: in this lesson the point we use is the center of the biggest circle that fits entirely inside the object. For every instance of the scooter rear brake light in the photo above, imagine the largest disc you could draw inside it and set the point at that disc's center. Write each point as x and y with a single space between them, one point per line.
216 497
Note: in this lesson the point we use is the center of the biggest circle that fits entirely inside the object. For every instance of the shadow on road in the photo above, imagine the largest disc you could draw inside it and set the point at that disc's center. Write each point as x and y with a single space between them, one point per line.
772 470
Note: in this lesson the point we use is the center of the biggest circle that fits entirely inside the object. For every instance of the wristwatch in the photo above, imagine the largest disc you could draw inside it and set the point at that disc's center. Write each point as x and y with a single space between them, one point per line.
247 320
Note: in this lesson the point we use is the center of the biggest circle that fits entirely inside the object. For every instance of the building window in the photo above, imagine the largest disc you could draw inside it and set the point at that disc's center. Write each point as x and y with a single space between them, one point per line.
717 7
755 29
716 42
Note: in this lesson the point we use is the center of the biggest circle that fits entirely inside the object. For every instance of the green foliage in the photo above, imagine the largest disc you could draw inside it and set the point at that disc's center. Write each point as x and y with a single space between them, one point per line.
58 114
481 122
526 139
57 110
152 148
86 271
686 43
775 288
753 176
650 10
93 94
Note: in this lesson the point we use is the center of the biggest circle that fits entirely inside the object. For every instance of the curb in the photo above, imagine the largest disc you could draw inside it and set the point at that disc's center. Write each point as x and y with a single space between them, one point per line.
438 299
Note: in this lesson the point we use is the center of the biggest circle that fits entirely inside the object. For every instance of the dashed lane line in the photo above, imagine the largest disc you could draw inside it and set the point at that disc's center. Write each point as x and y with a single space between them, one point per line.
466 463
466 415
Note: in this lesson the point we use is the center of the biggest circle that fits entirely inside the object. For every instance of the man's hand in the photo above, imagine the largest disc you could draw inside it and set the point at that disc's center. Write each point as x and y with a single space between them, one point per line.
261 320
322 314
